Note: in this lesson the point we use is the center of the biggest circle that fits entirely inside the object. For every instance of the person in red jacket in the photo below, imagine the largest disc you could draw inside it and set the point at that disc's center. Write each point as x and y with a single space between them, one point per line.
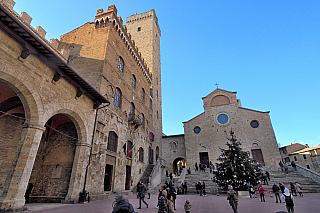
261 192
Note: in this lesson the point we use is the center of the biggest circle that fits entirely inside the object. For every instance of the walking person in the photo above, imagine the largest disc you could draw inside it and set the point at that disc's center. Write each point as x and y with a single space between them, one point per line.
294 167
293 189
233 199
187 206
162 202
281 165
275 190
299 189
122 205
138 189
261 192
288 200
185 187
142 194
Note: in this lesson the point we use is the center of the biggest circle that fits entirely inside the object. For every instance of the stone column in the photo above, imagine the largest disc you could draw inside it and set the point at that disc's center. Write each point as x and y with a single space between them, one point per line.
80 162
18 177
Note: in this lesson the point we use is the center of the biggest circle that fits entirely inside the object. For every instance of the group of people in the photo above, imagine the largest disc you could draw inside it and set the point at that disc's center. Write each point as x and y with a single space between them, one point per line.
203 167
201 188
285 167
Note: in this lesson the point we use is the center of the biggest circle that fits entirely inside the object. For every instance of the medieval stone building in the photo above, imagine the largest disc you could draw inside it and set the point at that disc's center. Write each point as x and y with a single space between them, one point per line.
207 132
80 113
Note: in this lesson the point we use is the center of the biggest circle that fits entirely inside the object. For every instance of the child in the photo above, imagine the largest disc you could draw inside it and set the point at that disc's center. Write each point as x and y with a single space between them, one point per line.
187 206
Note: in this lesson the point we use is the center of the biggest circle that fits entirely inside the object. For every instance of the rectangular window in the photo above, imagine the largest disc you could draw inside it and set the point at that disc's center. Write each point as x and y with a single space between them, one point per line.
308 166
304 157
295 158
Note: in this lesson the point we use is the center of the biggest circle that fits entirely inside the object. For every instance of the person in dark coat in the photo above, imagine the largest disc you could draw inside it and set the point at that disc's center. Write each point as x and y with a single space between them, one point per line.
268 175
281 165
173 194
233 199
294 167
282 187
122 205
204 189
275 190
197 188
142 194
200 188
185 187
196 165
162 202
293 189
138 189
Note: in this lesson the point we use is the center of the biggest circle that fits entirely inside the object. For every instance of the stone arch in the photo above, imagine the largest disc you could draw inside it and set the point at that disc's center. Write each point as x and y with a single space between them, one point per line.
255 143
182 164
75 114
26 92
219 100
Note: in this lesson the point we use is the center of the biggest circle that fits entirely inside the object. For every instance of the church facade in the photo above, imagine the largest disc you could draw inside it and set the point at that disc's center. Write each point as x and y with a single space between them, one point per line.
207 132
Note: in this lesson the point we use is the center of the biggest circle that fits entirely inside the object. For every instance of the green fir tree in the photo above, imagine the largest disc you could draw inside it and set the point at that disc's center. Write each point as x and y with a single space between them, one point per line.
236 167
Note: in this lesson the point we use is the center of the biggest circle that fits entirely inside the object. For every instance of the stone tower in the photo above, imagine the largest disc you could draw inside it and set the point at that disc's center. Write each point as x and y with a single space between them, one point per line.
145 31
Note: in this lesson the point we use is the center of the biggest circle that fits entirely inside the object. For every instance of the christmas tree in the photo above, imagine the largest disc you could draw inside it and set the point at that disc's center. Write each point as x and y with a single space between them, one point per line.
236 167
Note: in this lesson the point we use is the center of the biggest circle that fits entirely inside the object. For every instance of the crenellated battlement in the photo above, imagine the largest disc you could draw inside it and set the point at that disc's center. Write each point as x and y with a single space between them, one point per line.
26 19
140 17
110 18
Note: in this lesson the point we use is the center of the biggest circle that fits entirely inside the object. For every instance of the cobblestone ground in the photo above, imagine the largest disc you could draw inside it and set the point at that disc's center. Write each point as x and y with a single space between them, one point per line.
310 203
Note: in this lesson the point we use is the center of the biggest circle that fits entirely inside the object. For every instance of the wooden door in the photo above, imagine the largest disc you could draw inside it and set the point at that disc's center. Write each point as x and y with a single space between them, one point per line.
128 177
108 178
257 155
204 158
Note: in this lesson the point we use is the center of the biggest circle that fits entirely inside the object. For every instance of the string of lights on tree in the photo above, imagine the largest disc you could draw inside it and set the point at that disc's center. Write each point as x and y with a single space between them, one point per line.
236 167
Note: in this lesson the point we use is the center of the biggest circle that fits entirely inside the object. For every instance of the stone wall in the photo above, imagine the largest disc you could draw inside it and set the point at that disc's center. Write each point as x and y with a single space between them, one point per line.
173 147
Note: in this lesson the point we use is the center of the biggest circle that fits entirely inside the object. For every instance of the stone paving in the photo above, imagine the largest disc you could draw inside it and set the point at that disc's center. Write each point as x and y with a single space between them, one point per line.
309 203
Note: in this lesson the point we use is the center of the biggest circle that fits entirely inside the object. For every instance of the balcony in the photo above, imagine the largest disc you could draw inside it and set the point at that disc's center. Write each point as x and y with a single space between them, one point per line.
134 120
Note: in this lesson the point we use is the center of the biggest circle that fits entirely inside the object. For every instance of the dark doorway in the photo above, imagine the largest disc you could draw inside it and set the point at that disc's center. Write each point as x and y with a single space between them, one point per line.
157 153
257 155
128 177
204 158
150 155
108 178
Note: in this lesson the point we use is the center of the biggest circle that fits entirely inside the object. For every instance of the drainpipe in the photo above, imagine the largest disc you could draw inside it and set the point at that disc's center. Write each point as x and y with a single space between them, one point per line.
84 195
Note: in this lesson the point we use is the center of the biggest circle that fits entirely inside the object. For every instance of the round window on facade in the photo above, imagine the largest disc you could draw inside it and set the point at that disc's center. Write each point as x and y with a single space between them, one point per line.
223 118
197 130
254 124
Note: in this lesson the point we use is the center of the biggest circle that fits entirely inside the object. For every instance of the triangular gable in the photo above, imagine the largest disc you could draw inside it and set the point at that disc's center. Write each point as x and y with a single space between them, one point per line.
220 97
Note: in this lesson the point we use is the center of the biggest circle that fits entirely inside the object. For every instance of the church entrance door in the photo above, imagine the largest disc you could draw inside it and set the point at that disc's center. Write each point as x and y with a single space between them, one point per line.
204 158
257 155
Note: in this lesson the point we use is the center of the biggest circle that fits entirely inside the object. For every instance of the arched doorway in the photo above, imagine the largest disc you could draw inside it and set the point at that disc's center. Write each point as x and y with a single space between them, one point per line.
12 116
54 161
178 165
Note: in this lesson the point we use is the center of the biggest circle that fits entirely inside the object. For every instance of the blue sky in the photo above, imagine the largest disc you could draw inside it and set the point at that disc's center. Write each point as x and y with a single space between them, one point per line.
267 51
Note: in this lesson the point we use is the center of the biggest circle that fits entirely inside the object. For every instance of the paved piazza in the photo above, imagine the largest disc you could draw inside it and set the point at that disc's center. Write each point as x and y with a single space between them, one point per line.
211 203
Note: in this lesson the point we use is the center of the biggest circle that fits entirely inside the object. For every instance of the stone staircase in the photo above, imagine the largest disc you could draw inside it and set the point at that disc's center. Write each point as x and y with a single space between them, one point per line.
146 174
195 177
307 184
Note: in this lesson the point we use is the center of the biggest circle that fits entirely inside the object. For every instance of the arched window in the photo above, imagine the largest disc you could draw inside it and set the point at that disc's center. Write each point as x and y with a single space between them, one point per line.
120 64
132 111
141 154
112 141
133 81
143 94
129 145
142 120
118 97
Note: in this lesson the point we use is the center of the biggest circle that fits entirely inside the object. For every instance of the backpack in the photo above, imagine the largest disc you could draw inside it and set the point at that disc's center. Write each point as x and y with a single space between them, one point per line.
288 200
